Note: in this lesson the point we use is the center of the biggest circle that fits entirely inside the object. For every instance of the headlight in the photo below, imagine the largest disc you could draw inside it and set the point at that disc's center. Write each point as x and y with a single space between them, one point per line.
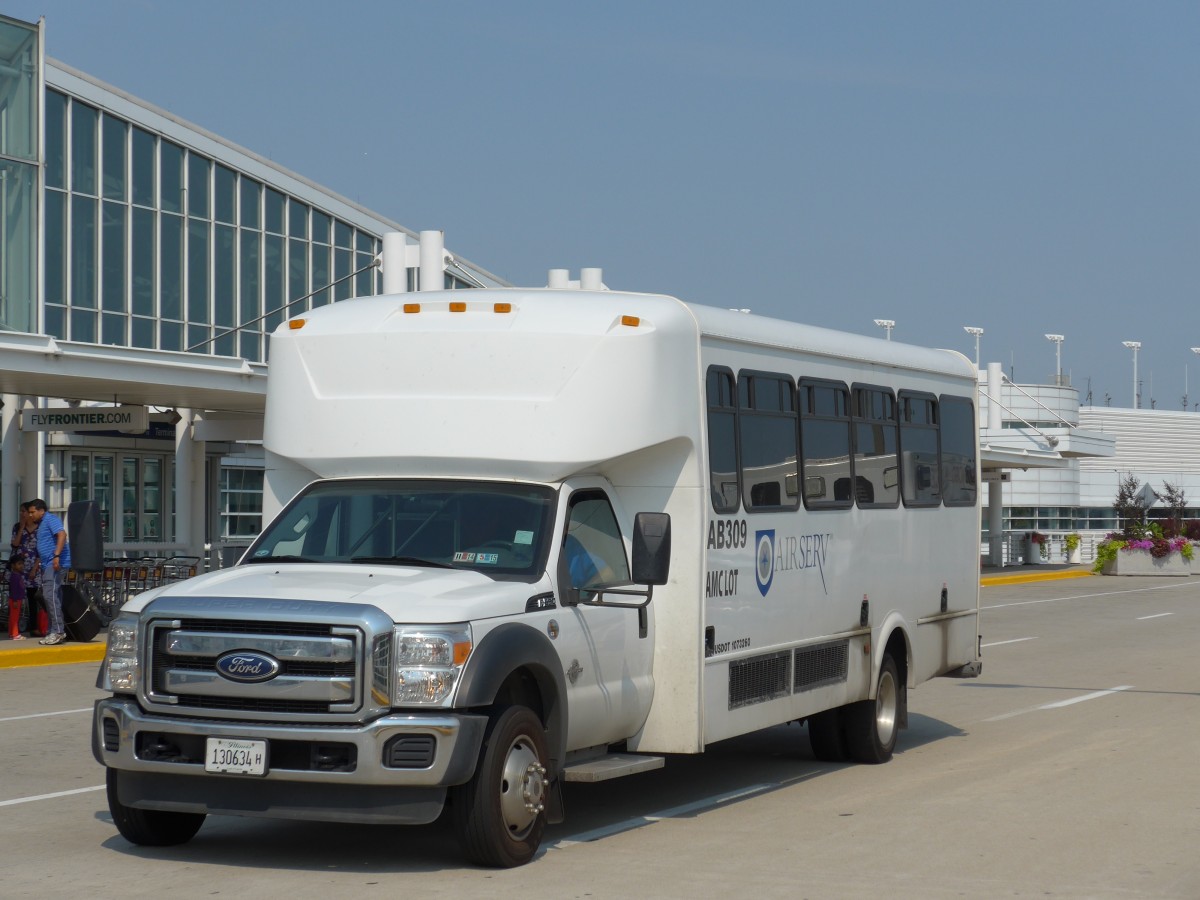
428 662
119 671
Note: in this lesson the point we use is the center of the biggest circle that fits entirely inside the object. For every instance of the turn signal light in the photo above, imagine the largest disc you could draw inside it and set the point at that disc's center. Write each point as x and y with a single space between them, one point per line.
297 324
412 307
502 308
458 306
631 321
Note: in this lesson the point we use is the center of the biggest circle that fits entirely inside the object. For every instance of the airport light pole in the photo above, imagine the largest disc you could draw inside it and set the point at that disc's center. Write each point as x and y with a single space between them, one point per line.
1195 350
1057 340
975 333
887 325
1134 346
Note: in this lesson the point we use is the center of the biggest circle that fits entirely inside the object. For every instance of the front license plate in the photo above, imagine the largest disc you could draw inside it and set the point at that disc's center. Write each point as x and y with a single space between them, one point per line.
235 757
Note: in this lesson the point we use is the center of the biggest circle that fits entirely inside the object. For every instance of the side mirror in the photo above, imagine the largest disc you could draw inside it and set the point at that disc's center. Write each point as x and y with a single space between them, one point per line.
651 548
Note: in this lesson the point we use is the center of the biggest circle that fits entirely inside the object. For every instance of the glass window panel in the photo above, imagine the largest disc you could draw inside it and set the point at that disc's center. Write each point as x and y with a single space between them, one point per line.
959 479
198 257
342 234
144 166
171 160
363 282
83 252
920 469
225 345
18 87
170 295
768 461
273 285
593 546
320 227
364 243
320 274
143 333
297 276
224 267
113 329
151 512
250 307
198 169
876 459
56 140
56 247
55 323
297 219
84 120
825 440
112 273
199 338
224 194
341 263
102 490
144 252
83 326
251 192
722 441
273 211
170 336
115 132
248 345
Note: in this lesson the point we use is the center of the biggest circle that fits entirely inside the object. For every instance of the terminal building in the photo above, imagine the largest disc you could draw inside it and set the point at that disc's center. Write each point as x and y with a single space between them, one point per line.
143 263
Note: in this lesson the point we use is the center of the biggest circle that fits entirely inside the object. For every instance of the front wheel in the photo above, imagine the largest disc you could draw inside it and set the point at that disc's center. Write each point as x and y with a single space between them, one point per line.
499 814
149 827
873 725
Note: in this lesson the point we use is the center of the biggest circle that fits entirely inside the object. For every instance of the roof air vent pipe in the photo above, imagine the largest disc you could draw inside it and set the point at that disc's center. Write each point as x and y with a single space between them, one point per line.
433 260
559 279
591 279
394 263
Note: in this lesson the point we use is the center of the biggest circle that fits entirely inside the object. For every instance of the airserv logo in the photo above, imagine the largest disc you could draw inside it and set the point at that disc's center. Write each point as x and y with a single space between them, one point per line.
787 554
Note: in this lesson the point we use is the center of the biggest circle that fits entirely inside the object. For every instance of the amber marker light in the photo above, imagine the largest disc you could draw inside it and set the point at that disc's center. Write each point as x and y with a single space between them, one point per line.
461 651
502 308
412 307
458 306
631 321
297 324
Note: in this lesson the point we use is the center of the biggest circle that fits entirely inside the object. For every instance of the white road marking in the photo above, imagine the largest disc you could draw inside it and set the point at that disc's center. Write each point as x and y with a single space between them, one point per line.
1164 587
1155 616
1013 641
61 712
86 790
1061 703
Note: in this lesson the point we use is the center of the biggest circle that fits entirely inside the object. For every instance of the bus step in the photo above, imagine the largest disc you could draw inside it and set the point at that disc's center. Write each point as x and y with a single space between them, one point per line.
614 765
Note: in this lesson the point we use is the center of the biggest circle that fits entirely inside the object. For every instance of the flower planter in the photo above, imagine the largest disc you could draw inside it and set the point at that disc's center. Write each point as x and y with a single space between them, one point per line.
1075 557
1140 562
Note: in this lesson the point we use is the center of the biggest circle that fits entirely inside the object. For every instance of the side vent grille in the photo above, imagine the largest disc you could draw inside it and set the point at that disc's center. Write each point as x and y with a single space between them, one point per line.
821 665
759 679
112 737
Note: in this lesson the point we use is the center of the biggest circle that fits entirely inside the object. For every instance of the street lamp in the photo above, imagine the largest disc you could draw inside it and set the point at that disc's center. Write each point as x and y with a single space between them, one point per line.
1134 346
974 332
887 325
1057 340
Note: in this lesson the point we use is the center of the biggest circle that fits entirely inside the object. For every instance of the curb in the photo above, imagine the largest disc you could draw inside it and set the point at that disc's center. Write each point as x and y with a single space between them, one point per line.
93 651
995 580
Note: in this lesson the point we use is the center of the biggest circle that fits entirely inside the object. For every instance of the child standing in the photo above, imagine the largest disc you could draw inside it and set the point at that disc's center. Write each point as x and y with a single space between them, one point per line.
16 595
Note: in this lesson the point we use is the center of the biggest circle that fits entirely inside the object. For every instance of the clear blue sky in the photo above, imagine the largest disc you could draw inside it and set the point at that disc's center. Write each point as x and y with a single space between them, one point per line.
1024 167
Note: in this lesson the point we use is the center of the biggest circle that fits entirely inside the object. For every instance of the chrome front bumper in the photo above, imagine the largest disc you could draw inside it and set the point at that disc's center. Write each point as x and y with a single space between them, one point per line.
127 739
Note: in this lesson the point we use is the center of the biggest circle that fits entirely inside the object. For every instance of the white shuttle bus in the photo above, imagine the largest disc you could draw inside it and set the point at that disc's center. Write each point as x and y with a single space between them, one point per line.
524 537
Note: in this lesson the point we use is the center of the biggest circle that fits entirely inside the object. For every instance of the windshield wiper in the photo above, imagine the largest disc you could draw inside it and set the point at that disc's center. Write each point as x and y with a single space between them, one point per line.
402 561
277 559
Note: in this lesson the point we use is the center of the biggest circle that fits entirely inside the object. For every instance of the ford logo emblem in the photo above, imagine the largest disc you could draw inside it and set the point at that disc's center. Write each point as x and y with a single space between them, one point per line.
248 666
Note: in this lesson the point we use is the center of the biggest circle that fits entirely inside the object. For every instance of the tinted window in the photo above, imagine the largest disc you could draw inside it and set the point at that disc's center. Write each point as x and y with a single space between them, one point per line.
722 440
919 467
876 467
959 479
767 441
825 444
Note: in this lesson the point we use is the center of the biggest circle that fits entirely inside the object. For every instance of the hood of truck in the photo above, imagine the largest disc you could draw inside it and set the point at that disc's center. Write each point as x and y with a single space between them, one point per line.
408 594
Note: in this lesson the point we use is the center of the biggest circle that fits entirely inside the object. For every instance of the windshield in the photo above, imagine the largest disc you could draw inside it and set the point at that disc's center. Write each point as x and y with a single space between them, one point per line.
501 529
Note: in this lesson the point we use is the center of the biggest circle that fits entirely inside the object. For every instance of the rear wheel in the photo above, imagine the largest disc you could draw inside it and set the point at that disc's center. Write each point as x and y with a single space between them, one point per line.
499 814
150 827
827 736
873 725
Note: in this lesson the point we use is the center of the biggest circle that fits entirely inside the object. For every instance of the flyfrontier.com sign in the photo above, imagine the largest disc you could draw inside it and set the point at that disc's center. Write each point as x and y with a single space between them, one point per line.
122 418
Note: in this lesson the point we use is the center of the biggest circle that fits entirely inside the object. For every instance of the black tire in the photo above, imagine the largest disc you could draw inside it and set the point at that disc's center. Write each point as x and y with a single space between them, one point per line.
500 814
150 827
826 734
873 725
